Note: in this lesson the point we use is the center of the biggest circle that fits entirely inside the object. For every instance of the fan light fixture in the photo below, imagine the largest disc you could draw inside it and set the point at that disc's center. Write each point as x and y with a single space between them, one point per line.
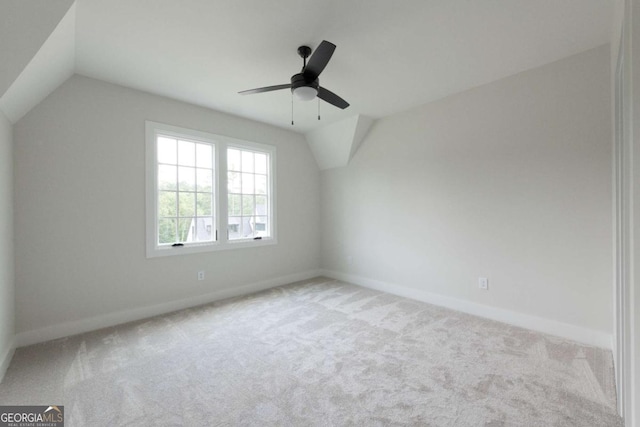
305 93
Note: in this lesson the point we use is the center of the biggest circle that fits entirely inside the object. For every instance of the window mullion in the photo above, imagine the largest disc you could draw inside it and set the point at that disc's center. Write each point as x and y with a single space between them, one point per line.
177 192
195 196
222 194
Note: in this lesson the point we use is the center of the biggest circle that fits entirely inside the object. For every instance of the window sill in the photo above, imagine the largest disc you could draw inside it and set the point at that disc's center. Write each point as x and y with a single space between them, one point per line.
209 247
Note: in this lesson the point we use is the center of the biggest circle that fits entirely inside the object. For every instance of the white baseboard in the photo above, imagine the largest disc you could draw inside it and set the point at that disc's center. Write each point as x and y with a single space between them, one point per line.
6 359
66 329
540 324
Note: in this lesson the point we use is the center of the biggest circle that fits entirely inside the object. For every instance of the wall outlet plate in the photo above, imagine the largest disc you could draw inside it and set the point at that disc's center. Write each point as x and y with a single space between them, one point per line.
200 275
483 283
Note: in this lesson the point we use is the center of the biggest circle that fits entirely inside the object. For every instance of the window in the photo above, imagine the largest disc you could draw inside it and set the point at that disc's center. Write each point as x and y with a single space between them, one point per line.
248 194
185 190
187 204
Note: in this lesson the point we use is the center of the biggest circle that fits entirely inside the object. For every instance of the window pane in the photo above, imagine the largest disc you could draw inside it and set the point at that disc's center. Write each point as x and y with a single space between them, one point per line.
186 229
167 203
247 205
233 182
186 153
261 163
247 161
204 156
167 150
261 205
247 183
234 204
235 227
167 231
167 177
205 231
203 204
233 159
204 179
187 202
261 184
187 178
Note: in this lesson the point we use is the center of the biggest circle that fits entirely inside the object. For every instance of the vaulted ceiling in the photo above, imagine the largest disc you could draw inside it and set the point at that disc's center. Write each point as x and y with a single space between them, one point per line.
390 56
24 27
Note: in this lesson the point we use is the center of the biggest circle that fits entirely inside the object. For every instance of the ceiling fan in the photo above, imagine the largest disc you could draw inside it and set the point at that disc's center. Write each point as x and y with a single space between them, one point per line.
305 85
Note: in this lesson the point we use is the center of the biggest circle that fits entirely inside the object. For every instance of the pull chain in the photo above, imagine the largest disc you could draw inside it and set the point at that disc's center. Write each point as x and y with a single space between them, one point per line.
318 108
291 108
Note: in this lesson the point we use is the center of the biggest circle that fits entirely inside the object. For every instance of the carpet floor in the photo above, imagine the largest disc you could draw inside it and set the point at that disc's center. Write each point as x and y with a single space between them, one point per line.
316 353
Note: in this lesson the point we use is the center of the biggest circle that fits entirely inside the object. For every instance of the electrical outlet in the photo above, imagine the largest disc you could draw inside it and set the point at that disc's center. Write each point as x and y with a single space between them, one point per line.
483 283
200 275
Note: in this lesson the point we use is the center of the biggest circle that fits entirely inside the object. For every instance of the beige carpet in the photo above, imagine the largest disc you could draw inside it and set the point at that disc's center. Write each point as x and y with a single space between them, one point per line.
319 352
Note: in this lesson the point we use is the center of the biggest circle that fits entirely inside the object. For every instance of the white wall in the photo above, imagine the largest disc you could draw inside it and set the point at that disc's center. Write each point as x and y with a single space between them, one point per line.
634 139
80 211
616 32
626 19
510 181
6 245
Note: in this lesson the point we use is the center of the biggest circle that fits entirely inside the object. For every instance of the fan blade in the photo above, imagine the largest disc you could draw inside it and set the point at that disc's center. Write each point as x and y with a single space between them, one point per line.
318 60
332 98
265 89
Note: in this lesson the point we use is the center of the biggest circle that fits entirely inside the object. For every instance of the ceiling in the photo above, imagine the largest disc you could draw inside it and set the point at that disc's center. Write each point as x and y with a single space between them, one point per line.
24 27
390 56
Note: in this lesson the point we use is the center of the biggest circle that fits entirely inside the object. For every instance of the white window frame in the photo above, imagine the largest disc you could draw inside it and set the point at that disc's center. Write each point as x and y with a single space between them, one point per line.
220 144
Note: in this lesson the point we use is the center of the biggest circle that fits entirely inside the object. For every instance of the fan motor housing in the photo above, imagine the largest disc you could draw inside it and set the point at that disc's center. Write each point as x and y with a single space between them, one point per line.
304 51
298 80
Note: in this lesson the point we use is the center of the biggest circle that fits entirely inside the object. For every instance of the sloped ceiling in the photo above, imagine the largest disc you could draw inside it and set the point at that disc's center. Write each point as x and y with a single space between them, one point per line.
24 27
335 144
51 66
391 56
